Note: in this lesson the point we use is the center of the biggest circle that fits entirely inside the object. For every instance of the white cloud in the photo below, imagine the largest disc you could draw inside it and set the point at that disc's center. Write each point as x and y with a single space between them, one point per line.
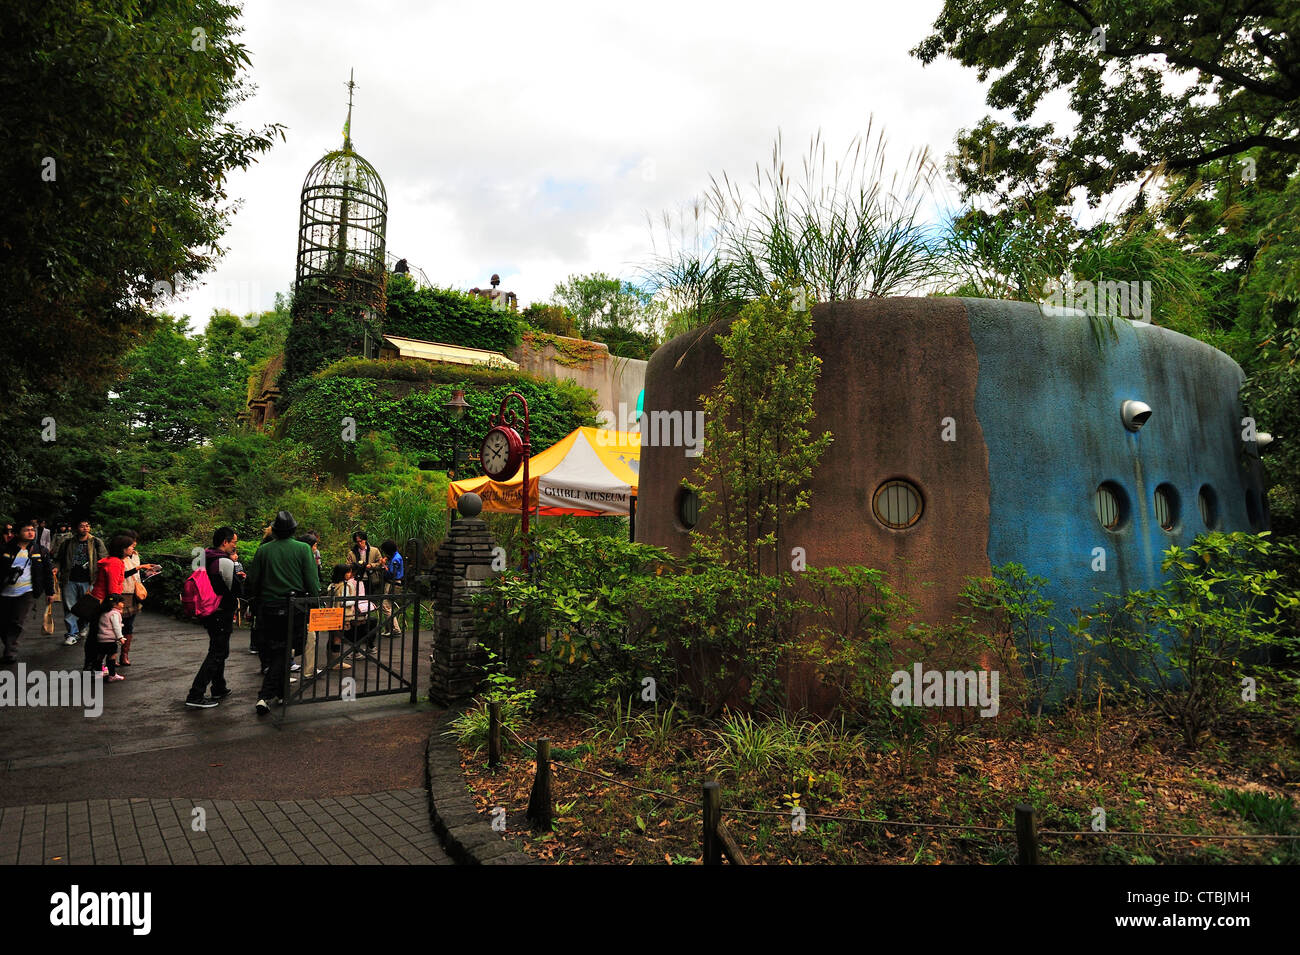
532 141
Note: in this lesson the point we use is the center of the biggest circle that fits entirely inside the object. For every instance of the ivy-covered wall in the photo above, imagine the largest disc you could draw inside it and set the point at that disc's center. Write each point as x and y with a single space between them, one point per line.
328 323
412 412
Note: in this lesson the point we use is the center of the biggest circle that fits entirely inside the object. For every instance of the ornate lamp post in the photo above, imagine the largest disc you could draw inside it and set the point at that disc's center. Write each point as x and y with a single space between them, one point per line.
455 408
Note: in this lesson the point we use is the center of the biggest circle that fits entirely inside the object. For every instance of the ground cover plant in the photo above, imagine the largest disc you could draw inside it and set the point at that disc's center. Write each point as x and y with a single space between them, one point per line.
1111 754
1126 759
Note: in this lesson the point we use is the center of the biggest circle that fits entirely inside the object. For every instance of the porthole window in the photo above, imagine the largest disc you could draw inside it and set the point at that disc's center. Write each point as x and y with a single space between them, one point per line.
688 508
1166 506
1209 506
1111 505
897 504
1252 507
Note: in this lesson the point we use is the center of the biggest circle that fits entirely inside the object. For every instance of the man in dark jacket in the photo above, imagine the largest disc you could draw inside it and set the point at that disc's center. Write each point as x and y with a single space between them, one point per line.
227 585
281 567
25 576
75 562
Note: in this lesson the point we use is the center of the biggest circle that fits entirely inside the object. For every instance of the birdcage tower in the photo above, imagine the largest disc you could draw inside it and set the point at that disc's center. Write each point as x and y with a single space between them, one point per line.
341 225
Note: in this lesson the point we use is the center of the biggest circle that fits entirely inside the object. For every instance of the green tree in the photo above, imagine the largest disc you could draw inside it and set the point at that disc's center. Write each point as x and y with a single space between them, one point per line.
1180 86
115 173
168 396
600 300
759 451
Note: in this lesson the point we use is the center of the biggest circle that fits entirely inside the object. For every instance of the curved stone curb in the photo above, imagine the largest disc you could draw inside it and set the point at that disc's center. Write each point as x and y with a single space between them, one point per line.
466 833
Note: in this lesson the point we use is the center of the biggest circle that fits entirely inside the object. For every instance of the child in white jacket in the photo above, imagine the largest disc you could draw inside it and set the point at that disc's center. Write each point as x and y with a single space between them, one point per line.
108 639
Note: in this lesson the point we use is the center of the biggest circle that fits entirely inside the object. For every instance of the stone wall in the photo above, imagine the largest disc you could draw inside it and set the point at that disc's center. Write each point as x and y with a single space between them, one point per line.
463 562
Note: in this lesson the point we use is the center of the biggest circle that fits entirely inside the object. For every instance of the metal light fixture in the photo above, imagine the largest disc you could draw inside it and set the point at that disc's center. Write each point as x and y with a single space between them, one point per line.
456 405
1135 414
1263 439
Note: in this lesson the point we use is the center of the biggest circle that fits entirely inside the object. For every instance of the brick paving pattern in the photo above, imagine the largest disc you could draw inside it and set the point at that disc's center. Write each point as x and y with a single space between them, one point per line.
387 828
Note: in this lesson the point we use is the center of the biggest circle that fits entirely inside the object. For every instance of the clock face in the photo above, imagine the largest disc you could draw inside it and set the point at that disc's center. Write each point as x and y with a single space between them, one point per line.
501 453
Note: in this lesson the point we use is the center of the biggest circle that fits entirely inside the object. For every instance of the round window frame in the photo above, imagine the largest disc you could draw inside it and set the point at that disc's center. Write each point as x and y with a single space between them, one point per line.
1173 506
685 492
913 489
1121 500
1207 503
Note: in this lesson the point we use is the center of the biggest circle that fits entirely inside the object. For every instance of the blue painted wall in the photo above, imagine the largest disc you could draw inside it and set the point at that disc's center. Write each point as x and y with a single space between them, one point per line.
1048 401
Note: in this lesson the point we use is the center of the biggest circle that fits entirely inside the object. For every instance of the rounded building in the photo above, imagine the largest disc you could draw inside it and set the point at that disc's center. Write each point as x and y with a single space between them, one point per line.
970 433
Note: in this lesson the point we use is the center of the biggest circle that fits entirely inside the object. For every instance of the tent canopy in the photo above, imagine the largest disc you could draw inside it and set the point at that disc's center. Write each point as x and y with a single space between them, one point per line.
591 472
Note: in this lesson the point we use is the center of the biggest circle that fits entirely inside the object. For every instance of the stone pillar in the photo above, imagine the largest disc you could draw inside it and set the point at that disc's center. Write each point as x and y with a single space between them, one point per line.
463 562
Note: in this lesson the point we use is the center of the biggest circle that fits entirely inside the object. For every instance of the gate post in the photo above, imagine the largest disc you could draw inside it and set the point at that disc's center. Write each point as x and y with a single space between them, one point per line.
463 562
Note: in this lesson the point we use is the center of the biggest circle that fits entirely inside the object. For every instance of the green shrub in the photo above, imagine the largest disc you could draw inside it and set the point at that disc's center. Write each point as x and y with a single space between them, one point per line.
155 513
1190 645
446 315
554 319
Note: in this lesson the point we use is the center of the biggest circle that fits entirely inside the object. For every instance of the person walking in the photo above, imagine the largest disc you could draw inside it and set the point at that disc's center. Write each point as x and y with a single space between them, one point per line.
76 563
26 574
227 583
394 573
281 567
134 597
43 535
63 533
111 581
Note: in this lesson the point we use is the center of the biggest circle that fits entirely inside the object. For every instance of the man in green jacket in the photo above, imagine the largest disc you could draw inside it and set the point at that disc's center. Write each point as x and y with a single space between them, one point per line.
281 567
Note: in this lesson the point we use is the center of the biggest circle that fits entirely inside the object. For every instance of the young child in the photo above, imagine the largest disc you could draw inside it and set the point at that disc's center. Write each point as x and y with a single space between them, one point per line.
342 584
109 638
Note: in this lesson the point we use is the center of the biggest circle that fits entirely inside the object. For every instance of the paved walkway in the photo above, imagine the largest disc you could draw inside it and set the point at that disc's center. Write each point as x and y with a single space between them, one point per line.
389 828
323 783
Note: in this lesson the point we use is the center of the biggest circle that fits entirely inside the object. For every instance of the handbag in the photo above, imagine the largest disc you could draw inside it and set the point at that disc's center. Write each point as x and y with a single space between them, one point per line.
140 593
86 607
47 624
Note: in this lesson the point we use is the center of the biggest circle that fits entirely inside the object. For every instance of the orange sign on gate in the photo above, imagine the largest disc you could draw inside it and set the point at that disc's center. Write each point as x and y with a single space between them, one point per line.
330 618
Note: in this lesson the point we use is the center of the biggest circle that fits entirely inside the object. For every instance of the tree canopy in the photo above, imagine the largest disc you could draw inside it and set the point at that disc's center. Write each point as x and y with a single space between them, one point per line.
1176 85
115 186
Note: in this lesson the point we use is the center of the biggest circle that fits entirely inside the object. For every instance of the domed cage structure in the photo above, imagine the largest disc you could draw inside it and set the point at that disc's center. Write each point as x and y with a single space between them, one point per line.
343 219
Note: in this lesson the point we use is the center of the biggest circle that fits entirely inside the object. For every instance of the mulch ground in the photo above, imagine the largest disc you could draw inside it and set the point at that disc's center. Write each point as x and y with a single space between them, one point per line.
1126 761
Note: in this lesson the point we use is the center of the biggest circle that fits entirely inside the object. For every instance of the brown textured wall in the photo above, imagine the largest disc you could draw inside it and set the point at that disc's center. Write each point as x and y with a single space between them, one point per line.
892 369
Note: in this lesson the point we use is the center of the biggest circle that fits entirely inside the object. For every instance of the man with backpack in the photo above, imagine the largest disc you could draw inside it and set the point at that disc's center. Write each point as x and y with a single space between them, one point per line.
224 584
281 567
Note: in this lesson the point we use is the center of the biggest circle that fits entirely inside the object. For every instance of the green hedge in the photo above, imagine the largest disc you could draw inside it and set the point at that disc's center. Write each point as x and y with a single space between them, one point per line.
414 417
446 315
419 370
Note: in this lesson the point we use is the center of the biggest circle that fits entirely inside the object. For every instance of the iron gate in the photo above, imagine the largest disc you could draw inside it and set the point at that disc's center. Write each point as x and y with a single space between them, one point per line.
377 652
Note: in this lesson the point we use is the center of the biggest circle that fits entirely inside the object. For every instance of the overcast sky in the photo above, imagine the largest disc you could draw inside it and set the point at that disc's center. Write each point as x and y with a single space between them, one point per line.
532 139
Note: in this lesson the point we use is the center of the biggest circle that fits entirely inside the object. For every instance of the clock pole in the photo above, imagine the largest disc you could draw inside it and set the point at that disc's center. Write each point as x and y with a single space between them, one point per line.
505 417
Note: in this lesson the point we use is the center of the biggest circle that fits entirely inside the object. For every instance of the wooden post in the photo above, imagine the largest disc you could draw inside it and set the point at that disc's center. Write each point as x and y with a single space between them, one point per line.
712 816
730 847
494 735
539 803
1026 838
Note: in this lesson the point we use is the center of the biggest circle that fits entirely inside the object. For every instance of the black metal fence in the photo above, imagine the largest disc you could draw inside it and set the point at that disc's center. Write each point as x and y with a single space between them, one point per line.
374 653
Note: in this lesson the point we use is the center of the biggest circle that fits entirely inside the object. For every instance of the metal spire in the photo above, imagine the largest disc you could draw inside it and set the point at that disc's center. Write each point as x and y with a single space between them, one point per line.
347 127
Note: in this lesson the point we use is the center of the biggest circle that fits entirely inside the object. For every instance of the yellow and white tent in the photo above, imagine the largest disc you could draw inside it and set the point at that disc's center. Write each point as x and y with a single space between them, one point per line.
591 472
